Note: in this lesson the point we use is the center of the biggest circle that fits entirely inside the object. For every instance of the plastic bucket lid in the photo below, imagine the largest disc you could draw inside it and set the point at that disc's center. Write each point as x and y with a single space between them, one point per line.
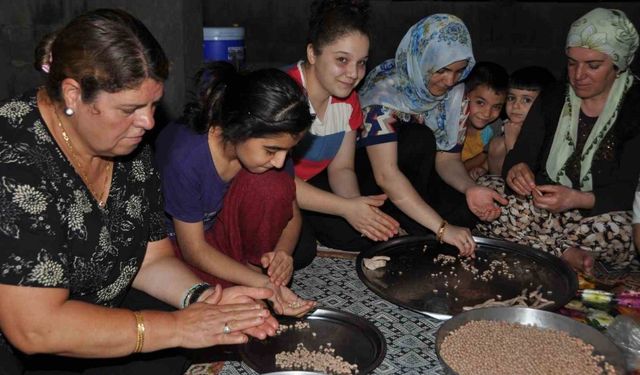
223 33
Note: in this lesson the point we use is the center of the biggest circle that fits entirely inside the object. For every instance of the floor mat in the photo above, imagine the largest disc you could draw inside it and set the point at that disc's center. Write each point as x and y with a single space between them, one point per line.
605 279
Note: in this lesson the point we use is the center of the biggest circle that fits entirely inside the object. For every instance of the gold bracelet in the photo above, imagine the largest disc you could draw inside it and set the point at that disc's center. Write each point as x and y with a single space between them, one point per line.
140 331
440 232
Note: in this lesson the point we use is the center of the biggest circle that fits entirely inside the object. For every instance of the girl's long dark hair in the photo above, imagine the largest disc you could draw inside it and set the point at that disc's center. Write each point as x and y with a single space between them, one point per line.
259 104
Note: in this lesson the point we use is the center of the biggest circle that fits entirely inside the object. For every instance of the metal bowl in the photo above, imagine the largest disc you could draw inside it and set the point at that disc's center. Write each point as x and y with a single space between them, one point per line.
353 337
542 319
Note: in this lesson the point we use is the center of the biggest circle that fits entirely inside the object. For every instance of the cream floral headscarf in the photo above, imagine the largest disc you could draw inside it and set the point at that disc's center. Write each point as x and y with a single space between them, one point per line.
608 31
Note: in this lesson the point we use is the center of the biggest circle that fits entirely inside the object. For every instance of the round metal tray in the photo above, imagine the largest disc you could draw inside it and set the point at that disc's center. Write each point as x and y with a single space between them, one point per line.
354 338
412 279
541 319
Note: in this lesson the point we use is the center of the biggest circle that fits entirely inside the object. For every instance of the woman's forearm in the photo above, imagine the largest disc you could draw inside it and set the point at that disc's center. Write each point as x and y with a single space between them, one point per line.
342 175
402 194
584 200
314 199
208 259
343 182
289 237
40 324
199 253
166 279
451 169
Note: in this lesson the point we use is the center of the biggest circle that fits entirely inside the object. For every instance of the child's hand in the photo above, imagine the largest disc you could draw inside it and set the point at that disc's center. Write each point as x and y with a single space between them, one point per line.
477 172
520 179
279 266
483 202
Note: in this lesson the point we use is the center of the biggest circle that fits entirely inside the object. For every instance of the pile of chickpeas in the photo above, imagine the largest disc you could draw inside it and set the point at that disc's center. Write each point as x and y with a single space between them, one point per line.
324 360
488 347
299 325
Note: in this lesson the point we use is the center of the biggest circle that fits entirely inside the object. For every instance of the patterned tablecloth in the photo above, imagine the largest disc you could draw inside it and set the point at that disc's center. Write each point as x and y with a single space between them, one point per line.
410 336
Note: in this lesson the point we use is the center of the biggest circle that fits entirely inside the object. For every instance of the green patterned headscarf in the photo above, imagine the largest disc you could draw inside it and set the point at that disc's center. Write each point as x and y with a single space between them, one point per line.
608 31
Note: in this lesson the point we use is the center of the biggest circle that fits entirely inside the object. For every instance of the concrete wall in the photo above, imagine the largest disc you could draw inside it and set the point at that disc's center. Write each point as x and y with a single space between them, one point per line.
176 24
513 33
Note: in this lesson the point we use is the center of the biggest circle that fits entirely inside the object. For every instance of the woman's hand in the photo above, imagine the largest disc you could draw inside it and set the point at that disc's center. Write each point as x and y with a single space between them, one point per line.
245 294
203 324
364 216
286 302
461 238
279 266
521 179
555 198
482 202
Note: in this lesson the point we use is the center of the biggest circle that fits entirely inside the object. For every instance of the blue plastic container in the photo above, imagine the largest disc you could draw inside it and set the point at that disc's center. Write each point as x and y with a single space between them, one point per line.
224 43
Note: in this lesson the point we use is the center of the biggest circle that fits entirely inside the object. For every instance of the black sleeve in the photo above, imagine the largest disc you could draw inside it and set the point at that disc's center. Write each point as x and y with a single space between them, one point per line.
536 137
615 181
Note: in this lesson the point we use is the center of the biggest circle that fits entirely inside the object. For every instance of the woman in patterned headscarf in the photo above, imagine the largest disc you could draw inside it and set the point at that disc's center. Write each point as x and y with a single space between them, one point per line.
413 107
577 157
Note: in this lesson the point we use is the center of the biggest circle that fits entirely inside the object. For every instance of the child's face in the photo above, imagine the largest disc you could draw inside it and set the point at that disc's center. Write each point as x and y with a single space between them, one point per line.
484 106
519 103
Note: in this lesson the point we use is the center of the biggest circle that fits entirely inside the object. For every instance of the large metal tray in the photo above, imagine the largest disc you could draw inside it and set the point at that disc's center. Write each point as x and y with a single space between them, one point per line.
542 319
408 281
354 338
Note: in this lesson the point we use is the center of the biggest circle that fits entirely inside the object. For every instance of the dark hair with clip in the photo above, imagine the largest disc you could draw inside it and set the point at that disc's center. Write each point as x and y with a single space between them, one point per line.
259 104
532 78
331 19
489 74
103 50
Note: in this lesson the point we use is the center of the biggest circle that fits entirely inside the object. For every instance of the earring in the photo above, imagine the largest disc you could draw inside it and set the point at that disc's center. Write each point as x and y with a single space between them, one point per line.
69 112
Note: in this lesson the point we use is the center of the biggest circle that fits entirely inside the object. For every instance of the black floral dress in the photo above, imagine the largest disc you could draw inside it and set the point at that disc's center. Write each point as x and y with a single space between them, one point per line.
52 231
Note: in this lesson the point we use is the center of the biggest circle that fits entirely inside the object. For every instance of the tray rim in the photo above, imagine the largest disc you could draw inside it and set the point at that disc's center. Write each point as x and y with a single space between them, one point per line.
327 312
572 277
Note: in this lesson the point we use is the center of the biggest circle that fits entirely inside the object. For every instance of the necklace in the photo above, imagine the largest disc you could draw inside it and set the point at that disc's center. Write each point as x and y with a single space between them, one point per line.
79 167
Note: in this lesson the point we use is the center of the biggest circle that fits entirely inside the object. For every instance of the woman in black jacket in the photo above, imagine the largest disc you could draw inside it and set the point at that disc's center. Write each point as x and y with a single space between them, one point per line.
576 161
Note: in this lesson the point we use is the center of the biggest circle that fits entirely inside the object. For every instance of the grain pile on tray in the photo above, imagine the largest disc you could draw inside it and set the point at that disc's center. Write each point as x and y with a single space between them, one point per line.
487 347
324 360
495 267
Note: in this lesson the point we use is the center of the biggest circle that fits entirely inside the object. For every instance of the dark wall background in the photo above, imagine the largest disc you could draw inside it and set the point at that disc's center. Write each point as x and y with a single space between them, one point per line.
176 24
514 33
